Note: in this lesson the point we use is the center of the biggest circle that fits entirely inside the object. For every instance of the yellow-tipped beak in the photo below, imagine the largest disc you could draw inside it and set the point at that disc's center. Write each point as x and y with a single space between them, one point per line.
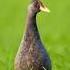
43 7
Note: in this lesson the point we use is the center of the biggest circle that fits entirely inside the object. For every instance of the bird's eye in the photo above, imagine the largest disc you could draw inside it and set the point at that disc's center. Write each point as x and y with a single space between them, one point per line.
36 4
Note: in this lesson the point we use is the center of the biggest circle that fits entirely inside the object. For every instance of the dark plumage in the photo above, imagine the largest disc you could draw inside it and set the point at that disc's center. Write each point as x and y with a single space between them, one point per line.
31 54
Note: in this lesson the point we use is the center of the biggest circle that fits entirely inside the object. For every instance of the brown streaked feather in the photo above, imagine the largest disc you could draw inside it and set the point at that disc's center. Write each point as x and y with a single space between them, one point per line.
31 54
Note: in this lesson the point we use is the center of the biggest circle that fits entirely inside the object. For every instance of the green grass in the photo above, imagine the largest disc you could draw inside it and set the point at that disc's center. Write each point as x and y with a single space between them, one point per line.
54 30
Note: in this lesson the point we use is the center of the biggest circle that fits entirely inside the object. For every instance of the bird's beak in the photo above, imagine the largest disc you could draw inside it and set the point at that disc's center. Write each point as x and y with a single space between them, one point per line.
44 8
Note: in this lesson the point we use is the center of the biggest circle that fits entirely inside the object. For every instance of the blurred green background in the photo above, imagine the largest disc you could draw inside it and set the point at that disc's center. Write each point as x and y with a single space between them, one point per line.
54 30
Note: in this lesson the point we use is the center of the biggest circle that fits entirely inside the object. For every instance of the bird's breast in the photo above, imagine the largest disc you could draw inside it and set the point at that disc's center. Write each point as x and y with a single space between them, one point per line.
28 56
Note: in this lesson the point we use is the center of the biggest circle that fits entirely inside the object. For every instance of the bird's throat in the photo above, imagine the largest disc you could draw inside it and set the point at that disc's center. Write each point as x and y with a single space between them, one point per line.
31 29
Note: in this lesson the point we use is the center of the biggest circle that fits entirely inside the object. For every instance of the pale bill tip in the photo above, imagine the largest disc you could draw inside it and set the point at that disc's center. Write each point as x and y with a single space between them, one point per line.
45 9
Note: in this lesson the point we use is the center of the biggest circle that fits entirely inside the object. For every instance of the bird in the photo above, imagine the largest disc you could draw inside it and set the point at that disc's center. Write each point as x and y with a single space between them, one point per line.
31 54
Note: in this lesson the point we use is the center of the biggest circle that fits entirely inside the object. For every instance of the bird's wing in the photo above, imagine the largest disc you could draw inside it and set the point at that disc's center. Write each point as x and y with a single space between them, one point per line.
44 68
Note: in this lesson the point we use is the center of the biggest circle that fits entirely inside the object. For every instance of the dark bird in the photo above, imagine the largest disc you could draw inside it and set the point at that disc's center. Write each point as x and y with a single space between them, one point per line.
31 54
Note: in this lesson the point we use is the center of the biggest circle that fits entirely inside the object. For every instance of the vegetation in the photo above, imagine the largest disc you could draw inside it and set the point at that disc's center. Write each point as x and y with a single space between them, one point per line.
54 29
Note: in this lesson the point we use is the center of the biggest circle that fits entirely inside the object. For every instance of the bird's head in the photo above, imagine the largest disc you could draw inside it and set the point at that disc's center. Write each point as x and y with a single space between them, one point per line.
37 6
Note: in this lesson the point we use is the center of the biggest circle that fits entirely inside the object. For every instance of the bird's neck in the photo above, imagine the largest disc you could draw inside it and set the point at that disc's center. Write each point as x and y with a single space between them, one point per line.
31 27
